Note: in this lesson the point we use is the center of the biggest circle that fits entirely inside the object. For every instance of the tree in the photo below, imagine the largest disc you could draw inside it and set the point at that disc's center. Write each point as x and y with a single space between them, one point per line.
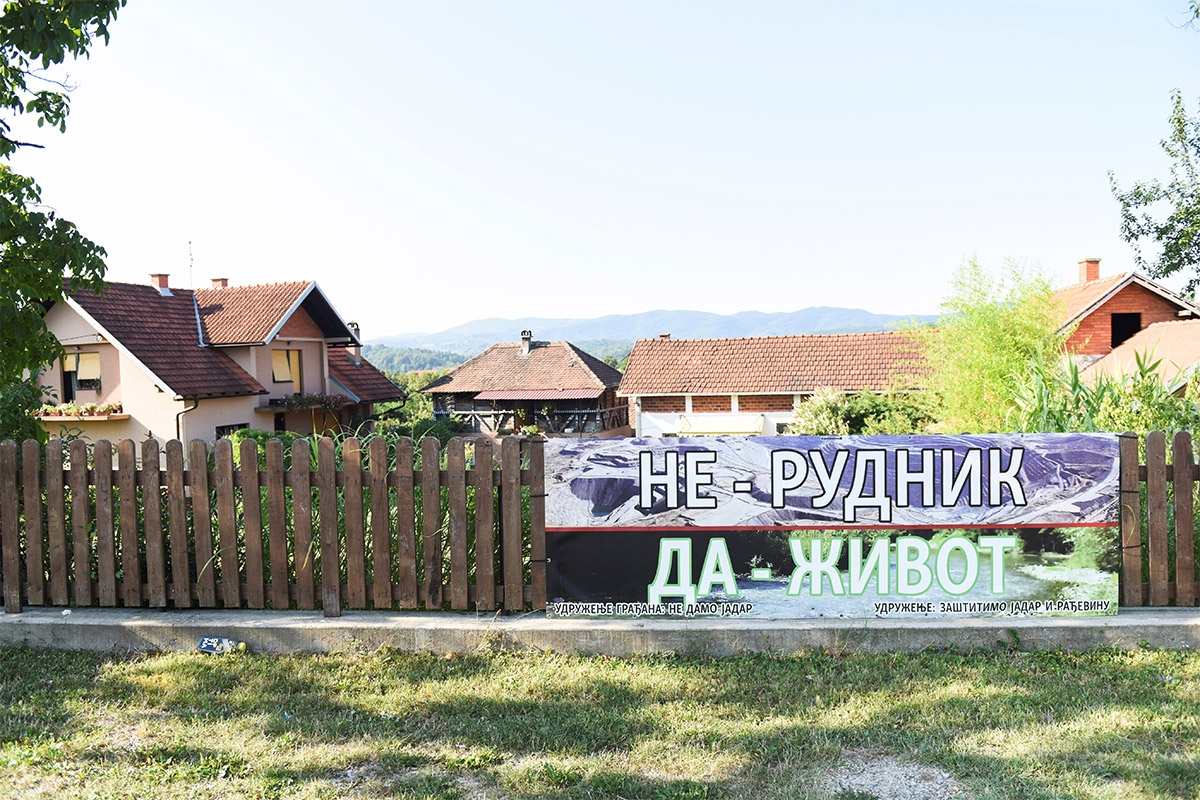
41 255
1176 232
989 333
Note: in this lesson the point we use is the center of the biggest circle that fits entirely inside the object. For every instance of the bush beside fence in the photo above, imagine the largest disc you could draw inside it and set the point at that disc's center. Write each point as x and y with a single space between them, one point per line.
80 527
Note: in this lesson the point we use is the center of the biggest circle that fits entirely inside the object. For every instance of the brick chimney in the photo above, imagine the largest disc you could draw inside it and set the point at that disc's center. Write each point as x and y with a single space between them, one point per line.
1089 270
220 283
355 348
159 281
526 342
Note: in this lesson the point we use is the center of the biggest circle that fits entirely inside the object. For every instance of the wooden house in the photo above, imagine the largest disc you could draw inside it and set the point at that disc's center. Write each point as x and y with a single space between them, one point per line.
554 386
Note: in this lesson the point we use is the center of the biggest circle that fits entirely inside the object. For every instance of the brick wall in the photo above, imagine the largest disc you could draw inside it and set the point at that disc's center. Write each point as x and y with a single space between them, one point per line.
764 402
663 405
1094 334
710 403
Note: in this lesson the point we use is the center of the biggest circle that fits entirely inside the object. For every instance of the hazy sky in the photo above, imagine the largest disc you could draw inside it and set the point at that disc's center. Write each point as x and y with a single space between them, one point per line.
431 163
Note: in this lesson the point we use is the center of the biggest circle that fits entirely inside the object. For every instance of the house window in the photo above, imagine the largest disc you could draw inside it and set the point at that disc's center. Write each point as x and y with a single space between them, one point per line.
285 368
1125 326
80 371
227 430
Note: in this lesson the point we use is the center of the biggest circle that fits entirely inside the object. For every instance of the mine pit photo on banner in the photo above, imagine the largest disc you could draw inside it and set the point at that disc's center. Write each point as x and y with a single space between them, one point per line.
786 527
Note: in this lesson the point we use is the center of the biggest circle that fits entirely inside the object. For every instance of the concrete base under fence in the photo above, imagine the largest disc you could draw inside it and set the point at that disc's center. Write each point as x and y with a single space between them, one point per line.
119 630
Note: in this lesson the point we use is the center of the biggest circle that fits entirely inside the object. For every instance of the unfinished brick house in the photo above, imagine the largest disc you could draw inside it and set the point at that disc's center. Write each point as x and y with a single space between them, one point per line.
553 385
713 387
1107 311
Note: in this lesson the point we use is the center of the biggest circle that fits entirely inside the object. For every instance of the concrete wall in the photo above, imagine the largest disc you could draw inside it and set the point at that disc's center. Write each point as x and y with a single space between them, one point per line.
661 415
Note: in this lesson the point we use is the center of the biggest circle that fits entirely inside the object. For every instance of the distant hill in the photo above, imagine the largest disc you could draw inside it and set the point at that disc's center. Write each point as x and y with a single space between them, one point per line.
615 334
408 359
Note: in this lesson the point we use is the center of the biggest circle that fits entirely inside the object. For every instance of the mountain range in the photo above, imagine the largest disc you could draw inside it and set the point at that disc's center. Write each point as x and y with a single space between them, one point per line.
614 334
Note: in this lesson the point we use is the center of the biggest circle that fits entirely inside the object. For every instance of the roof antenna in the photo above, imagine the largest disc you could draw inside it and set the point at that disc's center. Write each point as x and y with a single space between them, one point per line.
195 302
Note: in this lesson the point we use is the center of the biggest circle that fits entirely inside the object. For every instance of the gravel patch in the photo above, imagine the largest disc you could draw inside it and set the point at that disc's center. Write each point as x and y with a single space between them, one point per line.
888 778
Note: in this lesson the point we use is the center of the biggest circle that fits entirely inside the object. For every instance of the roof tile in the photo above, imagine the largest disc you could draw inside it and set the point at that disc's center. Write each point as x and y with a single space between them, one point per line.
548 365
771 364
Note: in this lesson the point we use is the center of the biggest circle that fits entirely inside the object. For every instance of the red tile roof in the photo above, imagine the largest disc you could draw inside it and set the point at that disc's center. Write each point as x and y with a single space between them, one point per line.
366 382
1081 299
548 365
160 332
770 364
246 314
1175 345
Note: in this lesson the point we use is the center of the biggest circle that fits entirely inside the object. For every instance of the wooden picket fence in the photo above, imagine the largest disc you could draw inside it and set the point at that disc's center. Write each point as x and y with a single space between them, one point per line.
158 532
456 529
1164 531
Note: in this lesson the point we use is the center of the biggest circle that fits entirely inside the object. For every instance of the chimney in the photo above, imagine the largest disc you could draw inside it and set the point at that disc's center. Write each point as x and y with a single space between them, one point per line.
220 283
664 336
159 281
1089 270
526 342
355 348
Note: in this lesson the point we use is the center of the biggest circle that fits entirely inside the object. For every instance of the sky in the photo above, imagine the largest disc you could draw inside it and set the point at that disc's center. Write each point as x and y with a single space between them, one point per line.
433 163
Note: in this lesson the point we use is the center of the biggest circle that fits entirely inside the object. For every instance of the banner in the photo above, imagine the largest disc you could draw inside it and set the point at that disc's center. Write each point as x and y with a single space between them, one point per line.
833 526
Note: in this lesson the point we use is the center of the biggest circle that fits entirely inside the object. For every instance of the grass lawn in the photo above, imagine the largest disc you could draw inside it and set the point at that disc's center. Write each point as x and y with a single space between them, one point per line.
1104 724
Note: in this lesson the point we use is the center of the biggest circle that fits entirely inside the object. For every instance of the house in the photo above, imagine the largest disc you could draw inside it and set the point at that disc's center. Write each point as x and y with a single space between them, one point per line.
553 385
1104 312
709 387
1174 346
146 361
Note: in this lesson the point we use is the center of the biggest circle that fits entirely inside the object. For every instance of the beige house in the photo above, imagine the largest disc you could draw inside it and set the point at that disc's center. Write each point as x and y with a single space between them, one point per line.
152 361
750 386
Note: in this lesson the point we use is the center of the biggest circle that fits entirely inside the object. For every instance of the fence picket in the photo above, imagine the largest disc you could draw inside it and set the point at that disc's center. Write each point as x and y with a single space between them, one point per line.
131 564
456 482
277 522
510 523
35 556
56 525
485 537
227 538
1185 475
302 523
537 523
406 530
181 580
156 562
10 536
356 547
1156 510
331 584
80 523
381 528
206 580
1131 521
431 516
106 555
252 523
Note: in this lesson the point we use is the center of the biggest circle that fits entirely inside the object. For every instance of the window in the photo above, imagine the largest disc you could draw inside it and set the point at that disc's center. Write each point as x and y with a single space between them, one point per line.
1124 326
225 430
285 368
80 371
